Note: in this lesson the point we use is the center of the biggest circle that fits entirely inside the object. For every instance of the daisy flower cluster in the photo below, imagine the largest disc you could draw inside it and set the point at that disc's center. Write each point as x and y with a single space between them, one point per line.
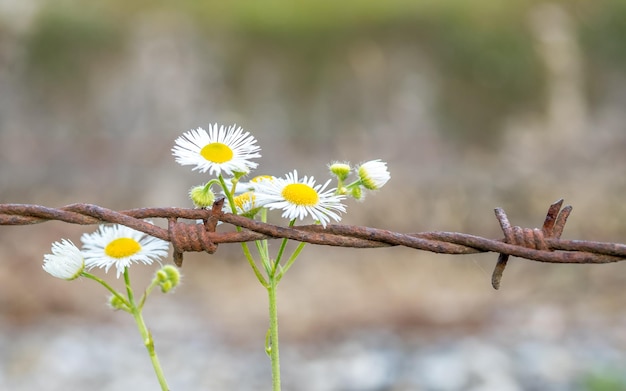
119 246
228 151
114 245
227 154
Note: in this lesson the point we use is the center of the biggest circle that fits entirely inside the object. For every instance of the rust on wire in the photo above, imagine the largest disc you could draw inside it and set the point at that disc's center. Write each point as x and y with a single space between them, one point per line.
199 234
532 238
194 237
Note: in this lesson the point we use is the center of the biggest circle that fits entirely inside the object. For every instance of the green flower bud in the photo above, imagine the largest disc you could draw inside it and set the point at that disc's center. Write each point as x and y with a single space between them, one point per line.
168 278
202 196
340 170
357 193
118 304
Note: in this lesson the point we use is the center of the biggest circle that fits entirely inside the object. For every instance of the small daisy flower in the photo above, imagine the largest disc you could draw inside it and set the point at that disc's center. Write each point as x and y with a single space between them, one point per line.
121 246
218 150
245 204
373 174
66 261
300 198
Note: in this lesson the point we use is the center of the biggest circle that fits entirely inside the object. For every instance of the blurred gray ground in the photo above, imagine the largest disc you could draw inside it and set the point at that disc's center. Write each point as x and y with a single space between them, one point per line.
380 319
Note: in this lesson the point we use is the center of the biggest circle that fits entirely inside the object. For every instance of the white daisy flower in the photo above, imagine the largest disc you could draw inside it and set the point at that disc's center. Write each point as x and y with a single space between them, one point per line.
66 261
300 198
120 246
218 150
245 203
373 174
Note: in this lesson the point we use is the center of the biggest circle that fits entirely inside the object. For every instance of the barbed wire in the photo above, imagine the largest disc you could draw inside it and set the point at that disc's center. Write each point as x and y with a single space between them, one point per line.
542 245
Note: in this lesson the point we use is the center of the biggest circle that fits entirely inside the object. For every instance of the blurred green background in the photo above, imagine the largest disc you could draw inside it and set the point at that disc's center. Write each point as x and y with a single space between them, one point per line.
473 104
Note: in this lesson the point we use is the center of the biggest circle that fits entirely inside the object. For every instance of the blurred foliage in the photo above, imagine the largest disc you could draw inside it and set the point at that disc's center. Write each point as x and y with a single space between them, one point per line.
489 65
602 26
66 38
604 381
483 48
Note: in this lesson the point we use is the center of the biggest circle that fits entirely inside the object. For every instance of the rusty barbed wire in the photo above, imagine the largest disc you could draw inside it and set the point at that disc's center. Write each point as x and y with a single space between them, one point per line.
542 245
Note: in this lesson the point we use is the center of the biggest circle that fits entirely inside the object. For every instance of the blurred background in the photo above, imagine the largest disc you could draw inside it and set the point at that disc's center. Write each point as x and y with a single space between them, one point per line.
474 105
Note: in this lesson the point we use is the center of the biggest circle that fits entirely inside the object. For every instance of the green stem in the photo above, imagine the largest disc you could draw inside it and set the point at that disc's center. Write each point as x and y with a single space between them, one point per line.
145 334
261 246
273 345
149 343
107 286
281 250
279 255
353 184
149 289
290 261
229 195
244 245
250 259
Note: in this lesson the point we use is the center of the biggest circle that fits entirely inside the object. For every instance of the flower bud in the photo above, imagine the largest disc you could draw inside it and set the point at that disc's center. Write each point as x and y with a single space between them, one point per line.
117 303
168 277
340 170
357 193
202 196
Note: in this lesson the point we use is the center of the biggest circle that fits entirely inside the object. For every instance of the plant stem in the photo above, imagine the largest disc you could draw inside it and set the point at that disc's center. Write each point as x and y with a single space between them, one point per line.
107 286
250 259
149 343
145 334
291 260
274 354
281 250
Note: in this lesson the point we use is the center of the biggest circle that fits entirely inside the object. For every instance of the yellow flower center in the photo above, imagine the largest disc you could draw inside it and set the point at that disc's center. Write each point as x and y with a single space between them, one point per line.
242 199
122 247
300 194
217 152
260 178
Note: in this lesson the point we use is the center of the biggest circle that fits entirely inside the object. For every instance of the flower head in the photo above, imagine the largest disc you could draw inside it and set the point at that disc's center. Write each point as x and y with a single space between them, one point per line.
373 174
300 198
120 246
66 261
245 202
218 150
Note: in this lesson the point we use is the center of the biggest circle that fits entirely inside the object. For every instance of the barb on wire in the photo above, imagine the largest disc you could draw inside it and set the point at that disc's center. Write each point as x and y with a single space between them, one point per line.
543 245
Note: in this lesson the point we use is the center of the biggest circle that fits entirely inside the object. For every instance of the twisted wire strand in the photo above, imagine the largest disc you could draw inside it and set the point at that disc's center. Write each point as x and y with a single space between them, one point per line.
543 245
